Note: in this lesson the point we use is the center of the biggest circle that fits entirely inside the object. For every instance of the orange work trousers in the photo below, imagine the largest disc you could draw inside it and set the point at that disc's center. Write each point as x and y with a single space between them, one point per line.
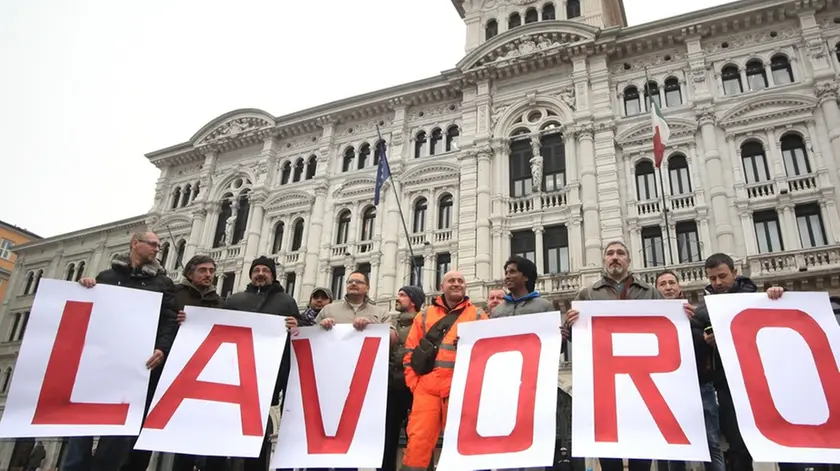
425 423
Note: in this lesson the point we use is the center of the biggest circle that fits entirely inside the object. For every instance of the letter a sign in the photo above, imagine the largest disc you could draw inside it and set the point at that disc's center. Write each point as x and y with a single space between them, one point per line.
502 407
334 413
781 364
636 389
82 365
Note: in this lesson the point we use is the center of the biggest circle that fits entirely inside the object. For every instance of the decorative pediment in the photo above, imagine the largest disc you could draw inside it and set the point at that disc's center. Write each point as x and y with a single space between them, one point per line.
535 39
642 133
289 200
173 223
233 125
355 188
437 172
767 108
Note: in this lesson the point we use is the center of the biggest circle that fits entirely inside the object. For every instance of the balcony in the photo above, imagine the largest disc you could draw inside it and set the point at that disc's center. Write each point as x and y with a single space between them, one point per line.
288 258
442 235
795 185
418 239
220 254
690 274
537 202
339 250
804 260
681 202
648 207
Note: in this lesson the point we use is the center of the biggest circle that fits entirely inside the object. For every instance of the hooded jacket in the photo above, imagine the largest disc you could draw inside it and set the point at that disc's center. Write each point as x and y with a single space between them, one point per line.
701 318
269 299
531 303
149 277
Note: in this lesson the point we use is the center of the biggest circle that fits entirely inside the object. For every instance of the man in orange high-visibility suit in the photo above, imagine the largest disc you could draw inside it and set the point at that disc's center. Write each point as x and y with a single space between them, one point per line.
431 390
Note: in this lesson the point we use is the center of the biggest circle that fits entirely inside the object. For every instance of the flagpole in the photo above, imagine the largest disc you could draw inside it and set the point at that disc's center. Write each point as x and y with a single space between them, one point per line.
668 257
399 207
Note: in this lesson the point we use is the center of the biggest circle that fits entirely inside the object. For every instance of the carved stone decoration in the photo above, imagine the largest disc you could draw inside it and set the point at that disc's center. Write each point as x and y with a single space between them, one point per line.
235 127
826 91
430 112
536 173
652 60
816 48
567 96
736 42
497 113
521 2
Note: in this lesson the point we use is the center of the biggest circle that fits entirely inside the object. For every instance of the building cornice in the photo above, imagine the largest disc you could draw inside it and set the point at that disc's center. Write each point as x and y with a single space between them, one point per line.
19 230
70 236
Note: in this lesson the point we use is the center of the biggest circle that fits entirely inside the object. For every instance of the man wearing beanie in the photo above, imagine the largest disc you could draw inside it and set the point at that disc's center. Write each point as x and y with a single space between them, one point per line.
265 295
521 280
410 300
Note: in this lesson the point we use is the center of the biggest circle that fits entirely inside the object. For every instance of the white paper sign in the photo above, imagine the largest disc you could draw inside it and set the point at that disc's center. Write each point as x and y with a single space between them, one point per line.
215 391
781 361
338 420
637 394
503 402
81 370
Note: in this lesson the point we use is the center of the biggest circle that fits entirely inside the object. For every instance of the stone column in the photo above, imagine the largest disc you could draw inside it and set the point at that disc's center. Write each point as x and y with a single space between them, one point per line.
390 237
55 269
636 252
816 147
670 242
724 235
374 276
429 270
575 243
827 95
589 184
198 214
313 241
483 256
748 229
95 262
496 267
210 221
705 238
790 230
539 258
832 221
297 291
255 223
774 152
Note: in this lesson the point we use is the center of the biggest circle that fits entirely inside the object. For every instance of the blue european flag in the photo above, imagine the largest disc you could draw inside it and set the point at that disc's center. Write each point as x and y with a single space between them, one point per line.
383 172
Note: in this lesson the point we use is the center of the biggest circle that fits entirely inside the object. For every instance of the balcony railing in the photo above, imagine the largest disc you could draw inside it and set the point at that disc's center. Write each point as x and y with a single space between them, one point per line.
225 253
537 202
819 258
796 184
339 250
688 273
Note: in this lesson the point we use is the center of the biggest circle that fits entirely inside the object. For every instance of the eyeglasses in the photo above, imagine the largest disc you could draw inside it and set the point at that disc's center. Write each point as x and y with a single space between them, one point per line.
356 282
154 245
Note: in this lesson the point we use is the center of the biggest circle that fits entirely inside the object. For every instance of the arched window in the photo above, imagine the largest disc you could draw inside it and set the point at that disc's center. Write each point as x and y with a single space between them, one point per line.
7 377
419 222
673 94
297 235
278 237
80 271
38 276
343 229
645 181
364 153
70 272
286 174
311 167
419 144
179 254
491 29
678 175
755 162
531 16
756 77
837 51
572 9
781 69
349 156
452 134
299 165
368 223
185 200
445 212
652 93
514 20
795 156
163 254
197 189
434 142
632 103
553 151
176 197
519 167
377 152
30 281
548 12
241 217
731 80
225 211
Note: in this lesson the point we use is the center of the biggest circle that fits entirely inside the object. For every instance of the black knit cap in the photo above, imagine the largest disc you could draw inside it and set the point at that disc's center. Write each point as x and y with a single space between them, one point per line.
416 294
266 262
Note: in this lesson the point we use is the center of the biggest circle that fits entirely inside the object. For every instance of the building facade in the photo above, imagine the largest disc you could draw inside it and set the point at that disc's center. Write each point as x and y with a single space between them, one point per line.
539 143
10 236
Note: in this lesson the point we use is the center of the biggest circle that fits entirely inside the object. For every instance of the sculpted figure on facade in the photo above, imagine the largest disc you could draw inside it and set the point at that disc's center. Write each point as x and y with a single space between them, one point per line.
229 229
536 166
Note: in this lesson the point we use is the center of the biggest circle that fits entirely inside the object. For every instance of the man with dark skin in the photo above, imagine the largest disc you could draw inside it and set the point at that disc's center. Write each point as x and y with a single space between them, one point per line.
520 280
139 269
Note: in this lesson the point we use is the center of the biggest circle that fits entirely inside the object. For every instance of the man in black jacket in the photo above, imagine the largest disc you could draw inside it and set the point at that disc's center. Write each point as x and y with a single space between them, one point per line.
139 269
264 294
724 278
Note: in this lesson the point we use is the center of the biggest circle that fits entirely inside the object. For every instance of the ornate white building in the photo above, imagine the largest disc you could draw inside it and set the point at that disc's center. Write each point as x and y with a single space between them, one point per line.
538 142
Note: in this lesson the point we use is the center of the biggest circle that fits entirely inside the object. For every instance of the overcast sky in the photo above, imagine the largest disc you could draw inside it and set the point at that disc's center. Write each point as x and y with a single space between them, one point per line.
89 86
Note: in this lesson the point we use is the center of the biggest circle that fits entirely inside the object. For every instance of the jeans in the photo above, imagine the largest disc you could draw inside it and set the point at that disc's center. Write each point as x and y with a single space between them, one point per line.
110 454
739 457
711 416
399 402
617 464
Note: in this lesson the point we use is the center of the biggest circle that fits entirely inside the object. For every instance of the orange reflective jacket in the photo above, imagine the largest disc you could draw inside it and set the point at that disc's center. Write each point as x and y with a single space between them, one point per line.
440 378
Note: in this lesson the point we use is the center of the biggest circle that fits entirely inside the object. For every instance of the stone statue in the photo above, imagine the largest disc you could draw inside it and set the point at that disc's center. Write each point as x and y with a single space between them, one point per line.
229 230
536 173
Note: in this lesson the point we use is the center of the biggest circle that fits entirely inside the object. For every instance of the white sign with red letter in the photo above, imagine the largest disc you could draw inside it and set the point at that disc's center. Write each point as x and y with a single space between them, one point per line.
81 370
334 412
222 366
637 393
781 360
503 403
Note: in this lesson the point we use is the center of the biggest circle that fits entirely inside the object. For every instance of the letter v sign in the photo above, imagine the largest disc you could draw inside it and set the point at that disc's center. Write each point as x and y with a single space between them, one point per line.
316 437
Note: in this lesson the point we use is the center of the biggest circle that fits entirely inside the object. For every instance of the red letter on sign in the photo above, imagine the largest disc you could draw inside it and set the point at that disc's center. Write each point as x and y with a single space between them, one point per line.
316 438
522 436
186 384
54 404
768 420
606 366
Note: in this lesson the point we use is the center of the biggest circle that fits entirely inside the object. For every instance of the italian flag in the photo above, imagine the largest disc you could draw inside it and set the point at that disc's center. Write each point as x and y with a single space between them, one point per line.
661 133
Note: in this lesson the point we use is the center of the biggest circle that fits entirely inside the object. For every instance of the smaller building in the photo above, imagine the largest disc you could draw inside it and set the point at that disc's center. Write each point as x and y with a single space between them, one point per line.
11 236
